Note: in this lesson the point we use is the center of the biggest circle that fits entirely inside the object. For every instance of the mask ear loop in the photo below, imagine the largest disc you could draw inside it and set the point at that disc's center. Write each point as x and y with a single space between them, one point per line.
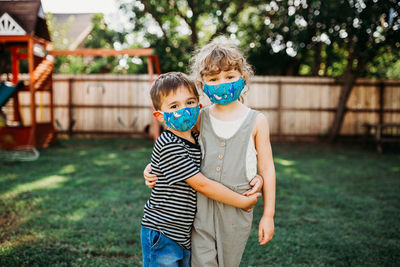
244 91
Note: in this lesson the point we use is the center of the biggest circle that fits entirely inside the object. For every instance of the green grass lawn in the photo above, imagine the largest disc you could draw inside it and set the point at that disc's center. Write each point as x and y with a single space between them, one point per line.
81 202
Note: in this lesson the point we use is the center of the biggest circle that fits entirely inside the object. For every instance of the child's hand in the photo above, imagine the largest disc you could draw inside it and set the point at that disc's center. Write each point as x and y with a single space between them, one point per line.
256 185
150 178
265 230
252 200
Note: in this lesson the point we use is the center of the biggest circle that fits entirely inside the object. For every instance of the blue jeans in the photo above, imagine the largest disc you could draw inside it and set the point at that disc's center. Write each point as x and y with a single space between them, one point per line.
159 250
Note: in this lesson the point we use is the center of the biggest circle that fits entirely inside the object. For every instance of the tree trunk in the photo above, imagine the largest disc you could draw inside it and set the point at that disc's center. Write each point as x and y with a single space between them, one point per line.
293 68
348 81
317 59
193 36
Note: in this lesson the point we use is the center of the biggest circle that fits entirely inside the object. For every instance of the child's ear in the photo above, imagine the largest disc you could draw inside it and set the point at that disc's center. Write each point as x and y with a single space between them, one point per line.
158 115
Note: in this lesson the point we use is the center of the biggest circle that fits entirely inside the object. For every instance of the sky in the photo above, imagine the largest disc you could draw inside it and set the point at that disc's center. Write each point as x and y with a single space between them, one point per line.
115 19
79 6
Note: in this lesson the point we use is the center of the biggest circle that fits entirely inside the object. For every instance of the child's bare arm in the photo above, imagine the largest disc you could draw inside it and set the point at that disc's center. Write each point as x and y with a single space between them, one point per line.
211 189
267 170
221 193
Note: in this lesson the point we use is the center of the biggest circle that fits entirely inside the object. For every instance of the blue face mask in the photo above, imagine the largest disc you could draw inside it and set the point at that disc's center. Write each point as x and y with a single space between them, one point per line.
183 119
224 93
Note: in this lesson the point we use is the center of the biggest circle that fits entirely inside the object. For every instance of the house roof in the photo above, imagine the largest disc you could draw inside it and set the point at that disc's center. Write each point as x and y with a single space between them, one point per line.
79 27
28 14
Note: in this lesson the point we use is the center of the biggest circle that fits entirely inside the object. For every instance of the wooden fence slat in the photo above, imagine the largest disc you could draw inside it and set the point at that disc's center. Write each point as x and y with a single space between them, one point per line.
294 106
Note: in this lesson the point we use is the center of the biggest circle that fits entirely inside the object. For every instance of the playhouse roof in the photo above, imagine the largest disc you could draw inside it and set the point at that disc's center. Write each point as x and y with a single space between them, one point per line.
28 14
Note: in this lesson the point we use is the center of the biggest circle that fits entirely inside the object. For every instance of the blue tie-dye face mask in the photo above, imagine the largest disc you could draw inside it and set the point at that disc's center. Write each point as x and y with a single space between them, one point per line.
183 119
224 93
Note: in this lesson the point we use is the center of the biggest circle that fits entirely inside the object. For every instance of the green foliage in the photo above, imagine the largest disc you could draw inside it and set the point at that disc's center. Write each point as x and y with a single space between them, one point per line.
394 71
385 66
279 37
176 28
81 202
101 36
316 37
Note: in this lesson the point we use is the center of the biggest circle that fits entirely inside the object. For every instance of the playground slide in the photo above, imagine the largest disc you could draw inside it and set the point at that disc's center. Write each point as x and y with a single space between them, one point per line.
7 90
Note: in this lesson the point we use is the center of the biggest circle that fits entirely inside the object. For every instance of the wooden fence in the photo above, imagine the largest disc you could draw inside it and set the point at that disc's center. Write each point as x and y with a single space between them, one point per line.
296 107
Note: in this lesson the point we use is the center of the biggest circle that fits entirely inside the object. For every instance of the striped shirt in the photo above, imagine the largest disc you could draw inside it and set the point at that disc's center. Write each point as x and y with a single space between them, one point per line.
172 204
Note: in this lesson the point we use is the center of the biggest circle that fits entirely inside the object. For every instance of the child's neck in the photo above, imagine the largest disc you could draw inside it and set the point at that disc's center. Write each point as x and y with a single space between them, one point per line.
185 135
231 111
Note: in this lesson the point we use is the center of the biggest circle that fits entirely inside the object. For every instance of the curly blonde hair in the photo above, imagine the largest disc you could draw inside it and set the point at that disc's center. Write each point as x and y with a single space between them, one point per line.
219 55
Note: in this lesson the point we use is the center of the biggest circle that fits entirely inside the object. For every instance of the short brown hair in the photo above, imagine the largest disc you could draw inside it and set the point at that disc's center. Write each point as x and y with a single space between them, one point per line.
170 82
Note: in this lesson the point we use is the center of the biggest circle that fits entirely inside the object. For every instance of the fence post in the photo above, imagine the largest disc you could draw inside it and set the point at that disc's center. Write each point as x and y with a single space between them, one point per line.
279 109
381 101
70 107
150 70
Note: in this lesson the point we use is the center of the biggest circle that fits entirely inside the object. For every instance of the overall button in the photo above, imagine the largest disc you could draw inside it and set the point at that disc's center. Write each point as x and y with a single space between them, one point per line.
220 156
223 143
218 169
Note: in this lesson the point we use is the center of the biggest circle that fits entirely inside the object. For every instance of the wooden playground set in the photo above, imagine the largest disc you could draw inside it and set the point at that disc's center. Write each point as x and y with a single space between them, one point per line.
25 37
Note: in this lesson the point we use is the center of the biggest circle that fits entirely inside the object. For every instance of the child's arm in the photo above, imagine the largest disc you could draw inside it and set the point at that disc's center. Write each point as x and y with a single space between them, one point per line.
211 189
267 170
150 178
256 183
221 193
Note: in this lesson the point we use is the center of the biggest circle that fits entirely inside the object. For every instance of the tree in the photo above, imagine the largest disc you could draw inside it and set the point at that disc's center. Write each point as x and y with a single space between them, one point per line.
336 38
368 30
176 27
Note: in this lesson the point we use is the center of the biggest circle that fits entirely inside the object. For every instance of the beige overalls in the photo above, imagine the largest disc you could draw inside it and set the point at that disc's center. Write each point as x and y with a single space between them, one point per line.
220 231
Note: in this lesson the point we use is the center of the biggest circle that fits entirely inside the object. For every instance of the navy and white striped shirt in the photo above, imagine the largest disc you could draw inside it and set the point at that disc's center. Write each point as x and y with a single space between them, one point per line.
172 204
